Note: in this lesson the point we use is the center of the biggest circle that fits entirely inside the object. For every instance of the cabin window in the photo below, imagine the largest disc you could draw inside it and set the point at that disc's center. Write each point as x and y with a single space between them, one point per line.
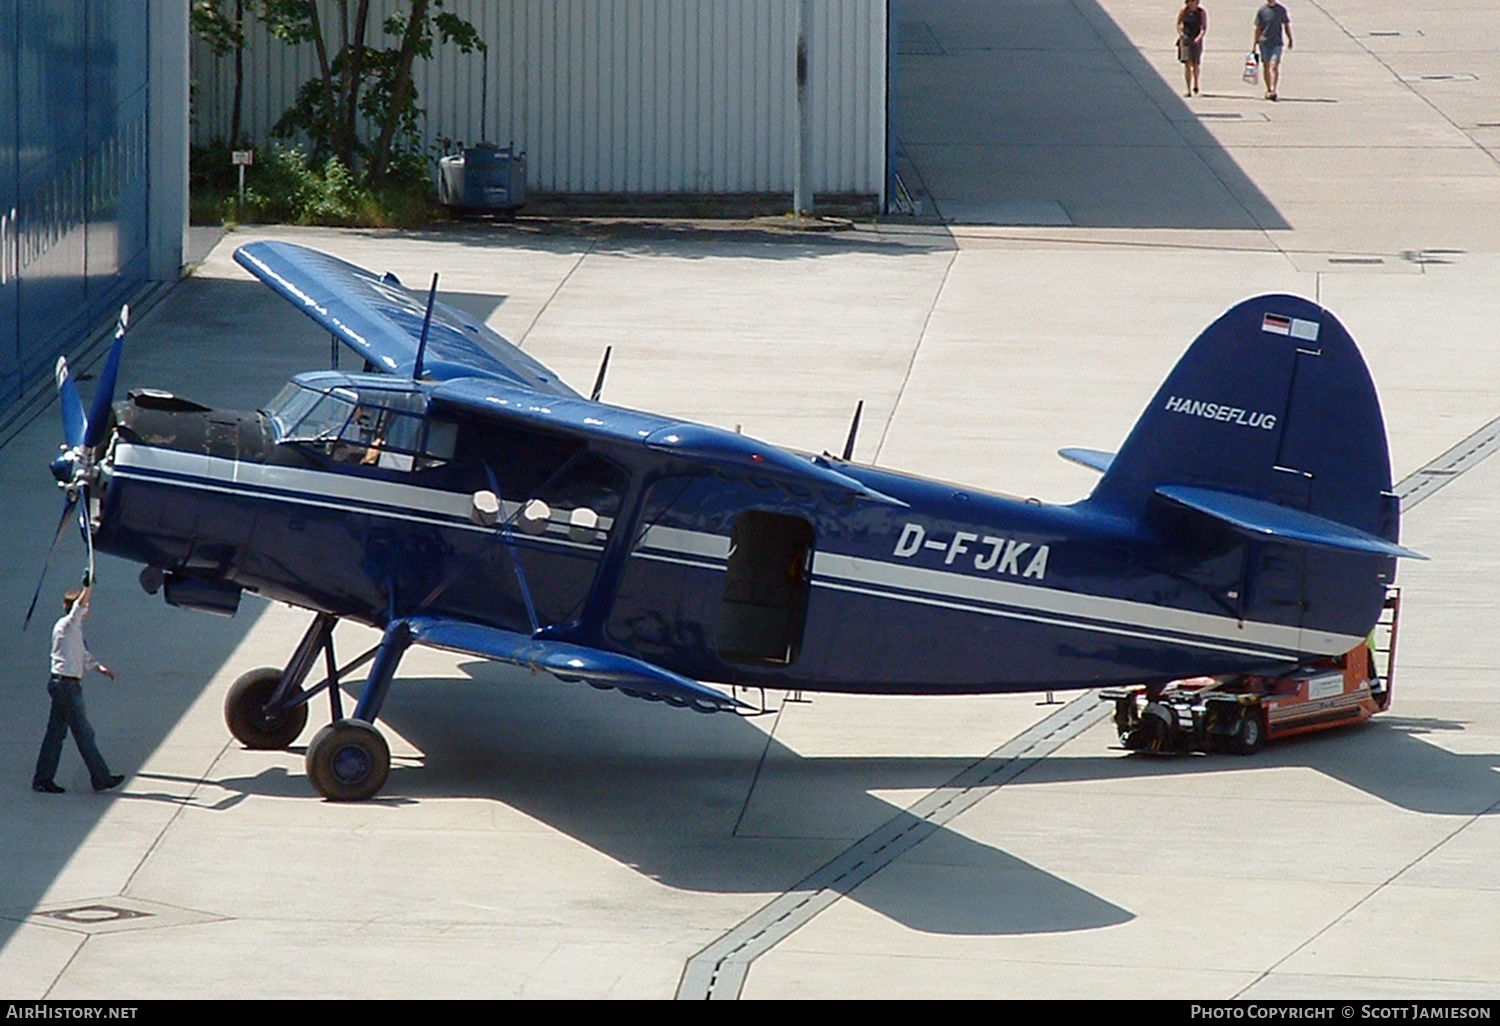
558 469
765 589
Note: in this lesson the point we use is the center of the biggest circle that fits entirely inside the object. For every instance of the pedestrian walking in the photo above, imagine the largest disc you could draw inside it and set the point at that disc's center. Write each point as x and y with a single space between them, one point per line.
1192 26
1270 22
70 659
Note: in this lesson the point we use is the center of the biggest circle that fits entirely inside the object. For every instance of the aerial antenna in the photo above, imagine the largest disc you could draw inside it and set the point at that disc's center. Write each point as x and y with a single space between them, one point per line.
416 371
599 381
853 431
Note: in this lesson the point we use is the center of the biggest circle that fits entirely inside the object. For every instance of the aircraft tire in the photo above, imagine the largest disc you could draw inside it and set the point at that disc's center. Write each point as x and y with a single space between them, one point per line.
1250 734
348 761
250 723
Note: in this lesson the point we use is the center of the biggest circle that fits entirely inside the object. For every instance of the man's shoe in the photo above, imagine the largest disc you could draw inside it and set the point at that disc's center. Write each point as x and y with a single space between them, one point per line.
115 781
47 787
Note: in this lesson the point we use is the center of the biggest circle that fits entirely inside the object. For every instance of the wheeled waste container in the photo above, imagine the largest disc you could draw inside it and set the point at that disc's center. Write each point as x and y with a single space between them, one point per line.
484 179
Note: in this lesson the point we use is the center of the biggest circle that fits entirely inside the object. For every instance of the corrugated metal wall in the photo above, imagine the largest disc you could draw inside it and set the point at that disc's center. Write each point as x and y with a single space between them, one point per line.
694 96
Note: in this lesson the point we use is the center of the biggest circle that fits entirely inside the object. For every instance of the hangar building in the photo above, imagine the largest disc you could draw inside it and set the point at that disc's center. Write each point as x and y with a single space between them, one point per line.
629 96
93 171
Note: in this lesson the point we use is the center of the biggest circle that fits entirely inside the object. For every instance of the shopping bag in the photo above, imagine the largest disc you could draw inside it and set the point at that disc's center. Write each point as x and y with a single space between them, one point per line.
1250 62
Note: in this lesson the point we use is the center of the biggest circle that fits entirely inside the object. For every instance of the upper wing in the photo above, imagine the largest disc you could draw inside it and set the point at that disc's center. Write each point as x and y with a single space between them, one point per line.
381 320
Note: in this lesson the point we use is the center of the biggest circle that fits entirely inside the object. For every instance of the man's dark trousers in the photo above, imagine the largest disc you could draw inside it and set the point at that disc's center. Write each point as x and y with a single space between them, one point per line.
67 713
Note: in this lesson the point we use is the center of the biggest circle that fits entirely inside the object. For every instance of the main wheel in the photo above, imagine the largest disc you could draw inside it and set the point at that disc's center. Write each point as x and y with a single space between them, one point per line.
1251 733
348 761
251 723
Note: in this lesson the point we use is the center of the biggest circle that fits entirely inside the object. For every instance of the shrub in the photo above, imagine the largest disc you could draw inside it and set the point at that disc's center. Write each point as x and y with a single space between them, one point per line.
284 186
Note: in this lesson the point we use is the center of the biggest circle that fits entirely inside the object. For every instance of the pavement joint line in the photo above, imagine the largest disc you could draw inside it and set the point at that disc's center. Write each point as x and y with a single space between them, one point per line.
1494 806
916 349
1409 84
759 765
719 970
521 339
161 834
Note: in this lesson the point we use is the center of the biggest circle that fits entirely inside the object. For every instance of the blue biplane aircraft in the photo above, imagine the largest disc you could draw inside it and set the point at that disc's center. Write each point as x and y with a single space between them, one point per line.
457 494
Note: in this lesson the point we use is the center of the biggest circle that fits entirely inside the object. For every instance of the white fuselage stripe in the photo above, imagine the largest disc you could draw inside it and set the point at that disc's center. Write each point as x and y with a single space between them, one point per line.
1037 603
320 489
1052 621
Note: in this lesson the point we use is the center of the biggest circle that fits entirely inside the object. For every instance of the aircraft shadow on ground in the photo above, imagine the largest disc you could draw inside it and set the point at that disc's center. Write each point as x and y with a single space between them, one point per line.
704 803
1051 101
665 793
1384 757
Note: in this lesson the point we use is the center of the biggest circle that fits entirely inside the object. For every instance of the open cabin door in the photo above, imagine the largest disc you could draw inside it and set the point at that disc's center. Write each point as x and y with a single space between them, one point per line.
765 589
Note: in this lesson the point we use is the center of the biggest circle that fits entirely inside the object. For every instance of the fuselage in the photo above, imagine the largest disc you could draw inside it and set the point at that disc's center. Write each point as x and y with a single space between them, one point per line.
740 578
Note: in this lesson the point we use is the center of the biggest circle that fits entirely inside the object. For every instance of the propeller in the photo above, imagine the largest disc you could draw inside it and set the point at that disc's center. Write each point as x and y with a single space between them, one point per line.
76 468
104 397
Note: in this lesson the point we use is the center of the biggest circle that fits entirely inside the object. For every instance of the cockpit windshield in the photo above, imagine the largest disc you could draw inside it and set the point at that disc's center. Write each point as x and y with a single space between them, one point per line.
361 421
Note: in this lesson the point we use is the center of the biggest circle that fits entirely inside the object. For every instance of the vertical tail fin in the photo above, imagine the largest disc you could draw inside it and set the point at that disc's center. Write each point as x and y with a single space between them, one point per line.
1273 402
1269 427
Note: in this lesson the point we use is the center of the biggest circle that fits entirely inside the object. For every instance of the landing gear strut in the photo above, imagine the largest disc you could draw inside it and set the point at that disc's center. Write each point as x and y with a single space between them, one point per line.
348 760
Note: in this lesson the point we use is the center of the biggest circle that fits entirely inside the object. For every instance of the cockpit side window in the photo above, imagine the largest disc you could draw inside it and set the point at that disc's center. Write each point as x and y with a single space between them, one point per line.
322 420
370 427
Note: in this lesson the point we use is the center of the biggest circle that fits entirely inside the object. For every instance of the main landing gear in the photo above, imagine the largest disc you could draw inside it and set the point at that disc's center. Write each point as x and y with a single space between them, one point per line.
348 760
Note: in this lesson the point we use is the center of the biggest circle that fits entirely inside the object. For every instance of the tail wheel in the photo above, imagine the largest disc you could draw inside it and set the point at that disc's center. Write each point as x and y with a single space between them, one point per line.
1251 733
348 761
251 723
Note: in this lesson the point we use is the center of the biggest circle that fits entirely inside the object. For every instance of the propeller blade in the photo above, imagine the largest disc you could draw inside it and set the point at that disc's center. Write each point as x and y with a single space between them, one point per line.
46 564
74 423
98 421
88 536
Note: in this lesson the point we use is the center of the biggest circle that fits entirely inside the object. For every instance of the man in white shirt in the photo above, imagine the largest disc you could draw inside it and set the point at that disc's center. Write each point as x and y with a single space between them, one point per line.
70 658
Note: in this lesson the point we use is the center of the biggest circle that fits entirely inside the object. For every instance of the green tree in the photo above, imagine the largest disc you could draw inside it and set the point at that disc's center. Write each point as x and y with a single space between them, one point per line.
221 24
360 79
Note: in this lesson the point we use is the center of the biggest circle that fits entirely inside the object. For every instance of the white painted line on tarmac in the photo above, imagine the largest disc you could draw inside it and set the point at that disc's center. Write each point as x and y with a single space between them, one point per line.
1463 457
718 971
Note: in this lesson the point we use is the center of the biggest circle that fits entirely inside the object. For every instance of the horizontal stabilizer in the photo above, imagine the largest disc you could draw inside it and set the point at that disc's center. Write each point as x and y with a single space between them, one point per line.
1281 523
569 662
1091 458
